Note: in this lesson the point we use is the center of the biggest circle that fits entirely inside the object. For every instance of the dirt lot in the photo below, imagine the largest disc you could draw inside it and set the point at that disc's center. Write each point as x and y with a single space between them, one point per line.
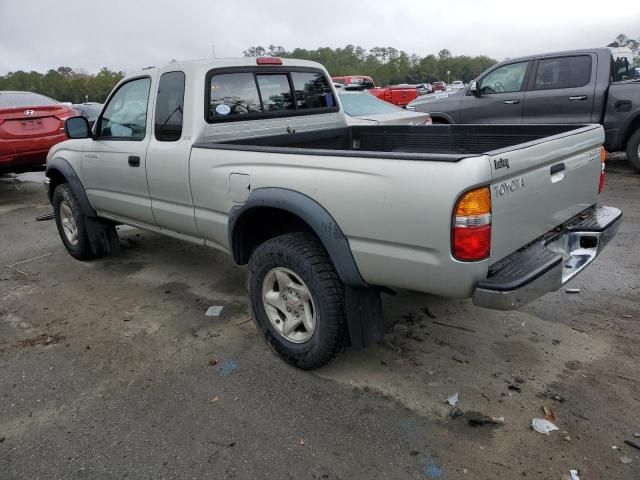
106 370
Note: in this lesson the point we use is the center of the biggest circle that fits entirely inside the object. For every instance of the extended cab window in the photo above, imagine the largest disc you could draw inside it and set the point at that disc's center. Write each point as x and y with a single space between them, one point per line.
262 94
125 116
504 79
312 90
169 107
275 92
563 72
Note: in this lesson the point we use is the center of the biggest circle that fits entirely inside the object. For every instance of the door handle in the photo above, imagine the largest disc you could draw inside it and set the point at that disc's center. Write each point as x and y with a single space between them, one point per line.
134 161
578 98
511 102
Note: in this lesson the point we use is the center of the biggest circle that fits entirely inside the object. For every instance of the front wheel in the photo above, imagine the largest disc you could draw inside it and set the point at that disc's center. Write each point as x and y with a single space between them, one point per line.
297 299
633 150
71 223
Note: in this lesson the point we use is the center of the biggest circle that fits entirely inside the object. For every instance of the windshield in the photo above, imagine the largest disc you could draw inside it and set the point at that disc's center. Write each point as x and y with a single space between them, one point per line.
24 99
358 104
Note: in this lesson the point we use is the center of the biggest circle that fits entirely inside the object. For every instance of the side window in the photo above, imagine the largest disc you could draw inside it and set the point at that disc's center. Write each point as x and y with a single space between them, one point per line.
563 72
125 116
275 92
169 107
505 79
312 90
233 94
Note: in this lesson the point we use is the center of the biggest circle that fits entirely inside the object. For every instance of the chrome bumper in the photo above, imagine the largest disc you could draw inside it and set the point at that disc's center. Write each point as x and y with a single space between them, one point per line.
547 264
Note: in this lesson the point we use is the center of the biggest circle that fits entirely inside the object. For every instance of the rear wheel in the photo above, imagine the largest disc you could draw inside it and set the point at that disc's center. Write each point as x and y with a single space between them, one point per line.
633 150
297 299
71 223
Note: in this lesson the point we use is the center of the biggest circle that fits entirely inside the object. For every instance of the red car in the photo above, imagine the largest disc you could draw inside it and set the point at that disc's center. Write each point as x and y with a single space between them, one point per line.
30 124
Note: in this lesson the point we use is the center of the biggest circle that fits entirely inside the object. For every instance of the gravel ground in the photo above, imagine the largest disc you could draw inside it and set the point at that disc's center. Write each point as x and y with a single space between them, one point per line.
110 369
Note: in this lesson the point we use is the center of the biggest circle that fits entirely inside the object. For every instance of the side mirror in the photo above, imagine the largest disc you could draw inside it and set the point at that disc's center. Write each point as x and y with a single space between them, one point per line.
77 127
473 89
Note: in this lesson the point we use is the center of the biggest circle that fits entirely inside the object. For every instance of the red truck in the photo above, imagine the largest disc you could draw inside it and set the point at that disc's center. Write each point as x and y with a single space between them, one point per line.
399 95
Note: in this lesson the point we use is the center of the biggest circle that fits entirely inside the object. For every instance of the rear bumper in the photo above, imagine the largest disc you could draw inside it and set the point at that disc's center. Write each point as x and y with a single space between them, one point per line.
548 263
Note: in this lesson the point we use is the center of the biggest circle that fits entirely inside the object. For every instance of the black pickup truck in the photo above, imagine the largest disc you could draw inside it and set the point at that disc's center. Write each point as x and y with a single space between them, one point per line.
579 86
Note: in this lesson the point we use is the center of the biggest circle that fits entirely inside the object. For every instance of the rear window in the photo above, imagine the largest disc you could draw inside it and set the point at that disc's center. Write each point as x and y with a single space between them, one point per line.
262 94
24 99
563 72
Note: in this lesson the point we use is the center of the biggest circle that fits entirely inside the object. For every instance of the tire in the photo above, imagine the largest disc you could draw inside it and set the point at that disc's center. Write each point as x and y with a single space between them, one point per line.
67 210
300 258
633 150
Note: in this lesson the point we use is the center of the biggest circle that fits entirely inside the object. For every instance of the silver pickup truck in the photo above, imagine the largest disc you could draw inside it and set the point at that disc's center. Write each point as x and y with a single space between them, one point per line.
254 157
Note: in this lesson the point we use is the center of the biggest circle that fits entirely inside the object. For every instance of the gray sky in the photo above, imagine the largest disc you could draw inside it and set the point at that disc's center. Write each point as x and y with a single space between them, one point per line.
129 34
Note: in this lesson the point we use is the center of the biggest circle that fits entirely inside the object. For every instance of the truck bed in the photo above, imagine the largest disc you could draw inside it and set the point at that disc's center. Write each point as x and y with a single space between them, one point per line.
446 143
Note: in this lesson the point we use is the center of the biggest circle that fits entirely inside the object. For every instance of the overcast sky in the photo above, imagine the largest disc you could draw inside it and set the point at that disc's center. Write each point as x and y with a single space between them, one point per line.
129 34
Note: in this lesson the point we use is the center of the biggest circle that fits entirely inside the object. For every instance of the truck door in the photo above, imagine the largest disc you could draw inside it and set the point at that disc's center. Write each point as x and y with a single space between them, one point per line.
500 96
114 163
168 158
561 90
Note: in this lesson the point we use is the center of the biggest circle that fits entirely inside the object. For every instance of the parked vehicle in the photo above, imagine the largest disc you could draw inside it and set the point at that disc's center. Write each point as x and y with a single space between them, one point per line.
456 85
30 124
399 95
438 87
362 108
89 110
355 82
261 164
579 87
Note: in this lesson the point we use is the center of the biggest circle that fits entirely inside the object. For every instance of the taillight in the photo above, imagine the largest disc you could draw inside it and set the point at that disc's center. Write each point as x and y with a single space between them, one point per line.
471 236
603 158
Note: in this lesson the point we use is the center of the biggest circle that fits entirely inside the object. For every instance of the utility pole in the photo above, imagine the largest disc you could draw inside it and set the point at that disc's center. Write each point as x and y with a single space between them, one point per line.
213 49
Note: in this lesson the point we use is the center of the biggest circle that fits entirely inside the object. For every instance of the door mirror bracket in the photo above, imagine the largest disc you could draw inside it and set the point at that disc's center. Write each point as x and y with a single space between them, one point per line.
473 89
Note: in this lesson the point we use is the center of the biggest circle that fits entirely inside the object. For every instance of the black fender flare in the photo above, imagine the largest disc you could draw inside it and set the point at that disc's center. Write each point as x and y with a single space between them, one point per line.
315 215
65 169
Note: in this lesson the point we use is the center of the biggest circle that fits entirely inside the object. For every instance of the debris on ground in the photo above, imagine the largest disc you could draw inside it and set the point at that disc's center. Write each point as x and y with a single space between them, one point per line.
548 413
477 418
411 335
572 290
542 425
456 412
213 361
214 399
302 441
452 399
214 311
627 316
636 435
625 460
515 388
43 339
554 396
227 367
632 444
457 327
428 312
574 474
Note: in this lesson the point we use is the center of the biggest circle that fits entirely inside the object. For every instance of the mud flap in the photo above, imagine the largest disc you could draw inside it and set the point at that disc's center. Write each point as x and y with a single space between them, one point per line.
103 237
364 316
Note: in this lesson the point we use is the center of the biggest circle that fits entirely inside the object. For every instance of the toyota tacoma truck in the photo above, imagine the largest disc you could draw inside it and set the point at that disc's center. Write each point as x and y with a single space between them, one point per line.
254 157
578 86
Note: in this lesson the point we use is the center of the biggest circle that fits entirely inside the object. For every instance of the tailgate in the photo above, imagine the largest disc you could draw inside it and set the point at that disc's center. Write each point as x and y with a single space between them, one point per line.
541 184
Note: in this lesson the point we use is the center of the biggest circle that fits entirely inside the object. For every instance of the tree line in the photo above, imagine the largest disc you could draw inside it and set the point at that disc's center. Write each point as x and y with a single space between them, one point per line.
64 84
387 65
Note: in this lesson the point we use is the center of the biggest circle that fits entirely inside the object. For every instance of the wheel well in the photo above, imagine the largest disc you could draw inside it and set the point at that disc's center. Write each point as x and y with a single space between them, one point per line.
633 127
55 178
439 120
258 225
